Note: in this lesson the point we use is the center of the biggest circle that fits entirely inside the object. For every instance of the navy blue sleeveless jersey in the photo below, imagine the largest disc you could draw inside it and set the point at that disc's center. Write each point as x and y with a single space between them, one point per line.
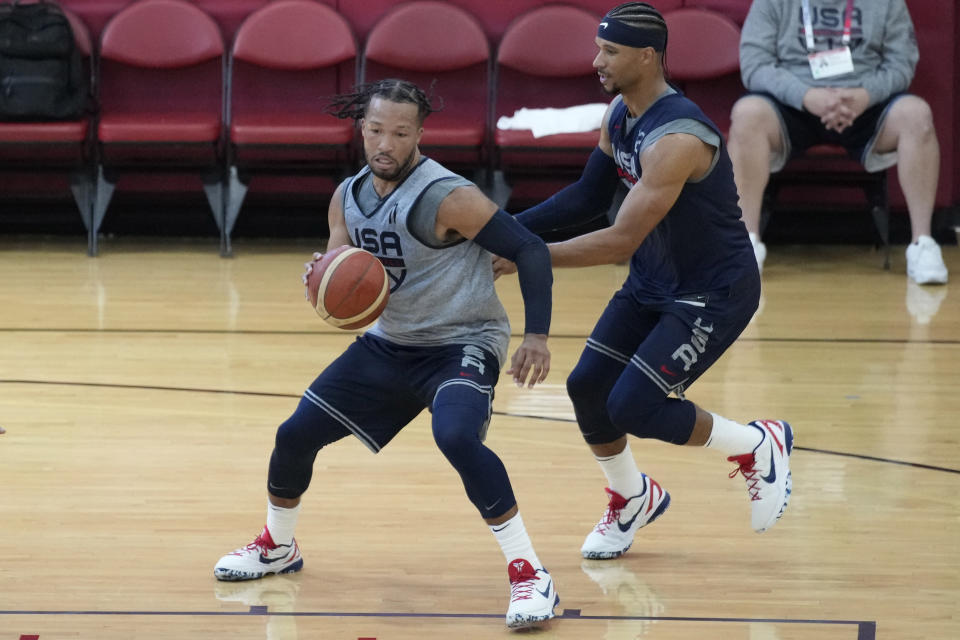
701 245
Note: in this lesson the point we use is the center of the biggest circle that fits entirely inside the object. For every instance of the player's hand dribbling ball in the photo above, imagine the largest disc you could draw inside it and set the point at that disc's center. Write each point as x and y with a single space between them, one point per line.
348 287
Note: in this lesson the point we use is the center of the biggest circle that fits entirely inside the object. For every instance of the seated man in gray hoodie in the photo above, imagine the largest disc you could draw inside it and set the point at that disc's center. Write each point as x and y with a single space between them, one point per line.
836 71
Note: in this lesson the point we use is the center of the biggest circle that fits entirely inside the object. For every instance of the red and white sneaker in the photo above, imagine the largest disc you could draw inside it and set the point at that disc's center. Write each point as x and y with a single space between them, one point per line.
613 535
259 558
767 472
532 595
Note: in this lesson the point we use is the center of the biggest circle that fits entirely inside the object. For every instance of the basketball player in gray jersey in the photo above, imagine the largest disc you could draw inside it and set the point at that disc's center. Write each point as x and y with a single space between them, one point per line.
448 298
439 344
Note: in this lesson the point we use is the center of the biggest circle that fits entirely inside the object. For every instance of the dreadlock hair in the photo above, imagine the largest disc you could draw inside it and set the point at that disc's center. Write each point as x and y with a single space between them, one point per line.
354 105
641 15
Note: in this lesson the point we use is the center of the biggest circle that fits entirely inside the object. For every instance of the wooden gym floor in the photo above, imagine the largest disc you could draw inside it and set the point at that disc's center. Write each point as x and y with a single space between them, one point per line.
140 392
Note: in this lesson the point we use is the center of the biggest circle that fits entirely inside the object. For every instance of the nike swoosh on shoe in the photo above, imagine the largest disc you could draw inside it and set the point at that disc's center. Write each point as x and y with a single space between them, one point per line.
624 527
546 593
265 560
772 476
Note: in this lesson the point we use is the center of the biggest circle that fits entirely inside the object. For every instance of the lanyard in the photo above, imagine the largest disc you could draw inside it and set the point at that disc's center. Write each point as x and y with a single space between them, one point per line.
808 24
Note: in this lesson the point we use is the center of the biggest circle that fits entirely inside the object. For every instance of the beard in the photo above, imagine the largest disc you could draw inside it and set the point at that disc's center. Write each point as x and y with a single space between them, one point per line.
396 174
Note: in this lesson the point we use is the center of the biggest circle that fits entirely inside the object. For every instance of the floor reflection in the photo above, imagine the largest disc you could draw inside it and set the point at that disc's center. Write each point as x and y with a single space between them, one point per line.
632 595
273 594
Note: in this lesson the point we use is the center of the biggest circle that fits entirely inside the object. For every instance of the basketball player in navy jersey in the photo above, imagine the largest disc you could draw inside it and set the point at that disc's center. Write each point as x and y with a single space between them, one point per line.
692 287
439 343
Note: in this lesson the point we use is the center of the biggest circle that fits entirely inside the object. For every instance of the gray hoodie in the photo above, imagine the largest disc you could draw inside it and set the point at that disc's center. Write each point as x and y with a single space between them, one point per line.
773 50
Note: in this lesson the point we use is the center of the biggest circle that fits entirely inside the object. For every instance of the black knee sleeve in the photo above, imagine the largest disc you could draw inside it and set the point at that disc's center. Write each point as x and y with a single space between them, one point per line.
460 417
644 411
589 392
295 449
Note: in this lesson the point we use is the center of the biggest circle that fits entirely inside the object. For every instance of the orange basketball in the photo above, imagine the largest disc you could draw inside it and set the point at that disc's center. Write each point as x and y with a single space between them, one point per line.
348 287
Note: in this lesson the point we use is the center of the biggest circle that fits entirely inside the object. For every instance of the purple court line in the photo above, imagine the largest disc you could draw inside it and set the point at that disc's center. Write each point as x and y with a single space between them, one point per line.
866 630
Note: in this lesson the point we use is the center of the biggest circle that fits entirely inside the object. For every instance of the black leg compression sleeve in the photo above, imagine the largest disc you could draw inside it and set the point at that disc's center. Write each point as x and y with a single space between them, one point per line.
638 406
298 440
589 386
460 415
611 399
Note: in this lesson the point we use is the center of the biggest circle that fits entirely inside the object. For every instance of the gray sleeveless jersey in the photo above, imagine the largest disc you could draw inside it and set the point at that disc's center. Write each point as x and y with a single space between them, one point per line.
440 294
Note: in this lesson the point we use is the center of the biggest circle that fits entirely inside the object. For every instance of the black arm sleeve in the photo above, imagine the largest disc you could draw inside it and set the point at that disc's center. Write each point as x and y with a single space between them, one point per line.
504 236
586 199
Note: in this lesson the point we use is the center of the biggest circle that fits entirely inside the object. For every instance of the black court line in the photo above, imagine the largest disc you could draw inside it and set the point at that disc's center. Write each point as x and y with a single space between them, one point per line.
866 630
264 394
561 336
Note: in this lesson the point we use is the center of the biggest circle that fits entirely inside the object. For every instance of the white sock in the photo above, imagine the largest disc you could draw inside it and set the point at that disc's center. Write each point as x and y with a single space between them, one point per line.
622 473
281 522
733 438
514 541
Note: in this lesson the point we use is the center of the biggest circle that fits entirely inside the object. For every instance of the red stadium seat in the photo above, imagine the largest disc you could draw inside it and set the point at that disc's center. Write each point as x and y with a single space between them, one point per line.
443 49
161 99
288 56
703 60
736 10
64 147
545 59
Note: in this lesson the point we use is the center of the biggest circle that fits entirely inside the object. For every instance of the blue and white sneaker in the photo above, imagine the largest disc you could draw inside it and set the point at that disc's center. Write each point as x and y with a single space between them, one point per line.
613 535
767 472
259 558
533 595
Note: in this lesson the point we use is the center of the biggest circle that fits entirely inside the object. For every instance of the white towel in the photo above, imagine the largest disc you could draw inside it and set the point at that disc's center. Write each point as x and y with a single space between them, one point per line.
546 122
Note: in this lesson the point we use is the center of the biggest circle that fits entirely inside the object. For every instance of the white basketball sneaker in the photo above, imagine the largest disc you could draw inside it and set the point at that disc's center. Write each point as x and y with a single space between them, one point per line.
259 558
613 535
532 595
767 472
925 262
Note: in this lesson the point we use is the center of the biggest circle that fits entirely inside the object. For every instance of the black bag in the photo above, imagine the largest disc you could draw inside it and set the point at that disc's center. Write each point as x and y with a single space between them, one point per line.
41 68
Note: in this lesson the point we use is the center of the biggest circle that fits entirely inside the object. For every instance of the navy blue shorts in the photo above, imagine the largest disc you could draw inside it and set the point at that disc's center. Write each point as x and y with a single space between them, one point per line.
805 129
674 343
375 388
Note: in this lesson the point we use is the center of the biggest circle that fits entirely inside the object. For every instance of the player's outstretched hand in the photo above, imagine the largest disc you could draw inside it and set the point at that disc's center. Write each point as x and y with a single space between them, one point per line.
502 267
308 266
530 360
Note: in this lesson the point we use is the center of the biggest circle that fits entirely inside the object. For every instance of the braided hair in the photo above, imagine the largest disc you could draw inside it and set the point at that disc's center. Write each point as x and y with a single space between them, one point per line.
354 104
641 15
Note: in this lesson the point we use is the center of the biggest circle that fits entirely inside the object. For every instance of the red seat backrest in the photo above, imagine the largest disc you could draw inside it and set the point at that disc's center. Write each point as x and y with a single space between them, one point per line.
736 10
160 61
703 60
552 41
295 34
427 35
287 58
546 60
701 44
443 48
161 34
